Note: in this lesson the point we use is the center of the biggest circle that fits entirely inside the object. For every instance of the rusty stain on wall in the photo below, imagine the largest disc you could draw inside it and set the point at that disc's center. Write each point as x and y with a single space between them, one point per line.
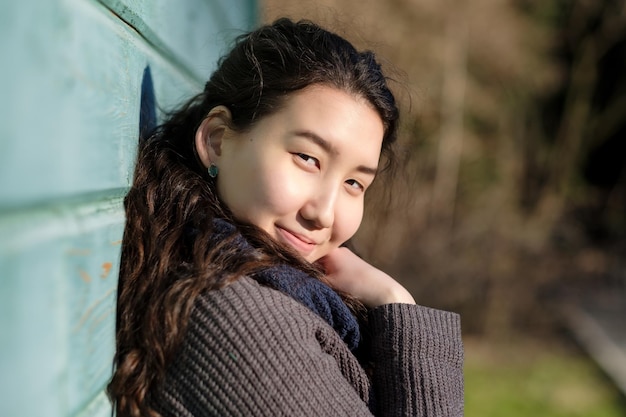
88 312
106 269
84 276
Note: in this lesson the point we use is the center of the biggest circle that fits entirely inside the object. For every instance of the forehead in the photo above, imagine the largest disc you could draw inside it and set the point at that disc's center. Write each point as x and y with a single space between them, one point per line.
329 97
336 116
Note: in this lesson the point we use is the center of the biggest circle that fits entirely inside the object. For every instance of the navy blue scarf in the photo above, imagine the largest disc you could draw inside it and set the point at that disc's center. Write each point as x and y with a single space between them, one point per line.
309 291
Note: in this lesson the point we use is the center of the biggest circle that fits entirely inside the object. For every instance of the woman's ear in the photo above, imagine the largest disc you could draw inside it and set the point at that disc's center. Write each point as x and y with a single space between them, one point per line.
210 135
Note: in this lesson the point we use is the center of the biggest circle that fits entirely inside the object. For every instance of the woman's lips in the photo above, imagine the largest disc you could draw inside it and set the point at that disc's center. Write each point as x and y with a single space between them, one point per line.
300 243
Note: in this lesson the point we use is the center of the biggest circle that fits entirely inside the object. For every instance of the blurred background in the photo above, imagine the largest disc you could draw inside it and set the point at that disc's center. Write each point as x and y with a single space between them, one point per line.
510 203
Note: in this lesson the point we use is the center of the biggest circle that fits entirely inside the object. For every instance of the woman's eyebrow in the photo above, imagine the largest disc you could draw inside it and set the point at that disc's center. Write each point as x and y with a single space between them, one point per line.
367 170
329 148
318 140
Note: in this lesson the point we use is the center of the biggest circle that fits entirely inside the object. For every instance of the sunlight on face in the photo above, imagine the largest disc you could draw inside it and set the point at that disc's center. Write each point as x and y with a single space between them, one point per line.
300 174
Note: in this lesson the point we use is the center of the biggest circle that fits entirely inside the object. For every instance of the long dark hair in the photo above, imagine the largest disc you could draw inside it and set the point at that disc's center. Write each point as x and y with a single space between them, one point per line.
166 261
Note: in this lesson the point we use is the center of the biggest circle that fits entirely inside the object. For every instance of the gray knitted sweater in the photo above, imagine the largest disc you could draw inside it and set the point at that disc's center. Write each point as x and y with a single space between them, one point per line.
253 351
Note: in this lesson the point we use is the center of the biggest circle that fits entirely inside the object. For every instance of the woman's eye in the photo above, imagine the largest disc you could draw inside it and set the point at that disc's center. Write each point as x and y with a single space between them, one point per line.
308 160
356 185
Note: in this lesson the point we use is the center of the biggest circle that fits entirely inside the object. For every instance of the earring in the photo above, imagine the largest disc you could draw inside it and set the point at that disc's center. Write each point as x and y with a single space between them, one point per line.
213 170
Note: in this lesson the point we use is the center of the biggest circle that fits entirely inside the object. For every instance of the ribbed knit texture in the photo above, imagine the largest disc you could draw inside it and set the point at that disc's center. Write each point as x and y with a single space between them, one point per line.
251 350
419 364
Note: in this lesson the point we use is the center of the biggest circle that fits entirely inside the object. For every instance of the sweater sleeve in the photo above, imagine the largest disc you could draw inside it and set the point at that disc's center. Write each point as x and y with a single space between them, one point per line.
251 351
418 361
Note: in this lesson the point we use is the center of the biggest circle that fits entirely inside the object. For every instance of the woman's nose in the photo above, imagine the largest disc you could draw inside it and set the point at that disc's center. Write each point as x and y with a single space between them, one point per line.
319 209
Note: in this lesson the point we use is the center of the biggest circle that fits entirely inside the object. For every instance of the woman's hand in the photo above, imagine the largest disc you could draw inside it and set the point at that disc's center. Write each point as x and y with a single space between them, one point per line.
352 275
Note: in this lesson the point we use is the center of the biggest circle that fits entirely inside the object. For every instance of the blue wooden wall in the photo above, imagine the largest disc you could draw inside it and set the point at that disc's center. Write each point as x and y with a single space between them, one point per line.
70 95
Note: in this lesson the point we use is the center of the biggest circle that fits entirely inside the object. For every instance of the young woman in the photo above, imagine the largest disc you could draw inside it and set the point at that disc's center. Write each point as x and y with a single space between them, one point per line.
236 296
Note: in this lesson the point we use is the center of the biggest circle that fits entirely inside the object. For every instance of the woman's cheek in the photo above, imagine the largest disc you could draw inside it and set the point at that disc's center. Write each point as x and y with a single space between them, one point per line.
348 220
284 191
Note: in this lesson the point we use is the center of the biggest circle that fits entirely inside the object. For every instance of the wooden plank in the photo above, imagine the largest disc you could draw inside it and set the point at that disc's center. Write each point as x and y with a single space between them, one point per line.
70 125
98 407
193 32
57 311
69 113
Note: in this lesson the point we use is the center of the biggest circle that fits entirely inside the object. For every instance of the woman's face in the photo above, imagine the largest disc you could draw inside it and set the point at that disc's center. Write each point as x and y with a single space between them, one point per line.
301 173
